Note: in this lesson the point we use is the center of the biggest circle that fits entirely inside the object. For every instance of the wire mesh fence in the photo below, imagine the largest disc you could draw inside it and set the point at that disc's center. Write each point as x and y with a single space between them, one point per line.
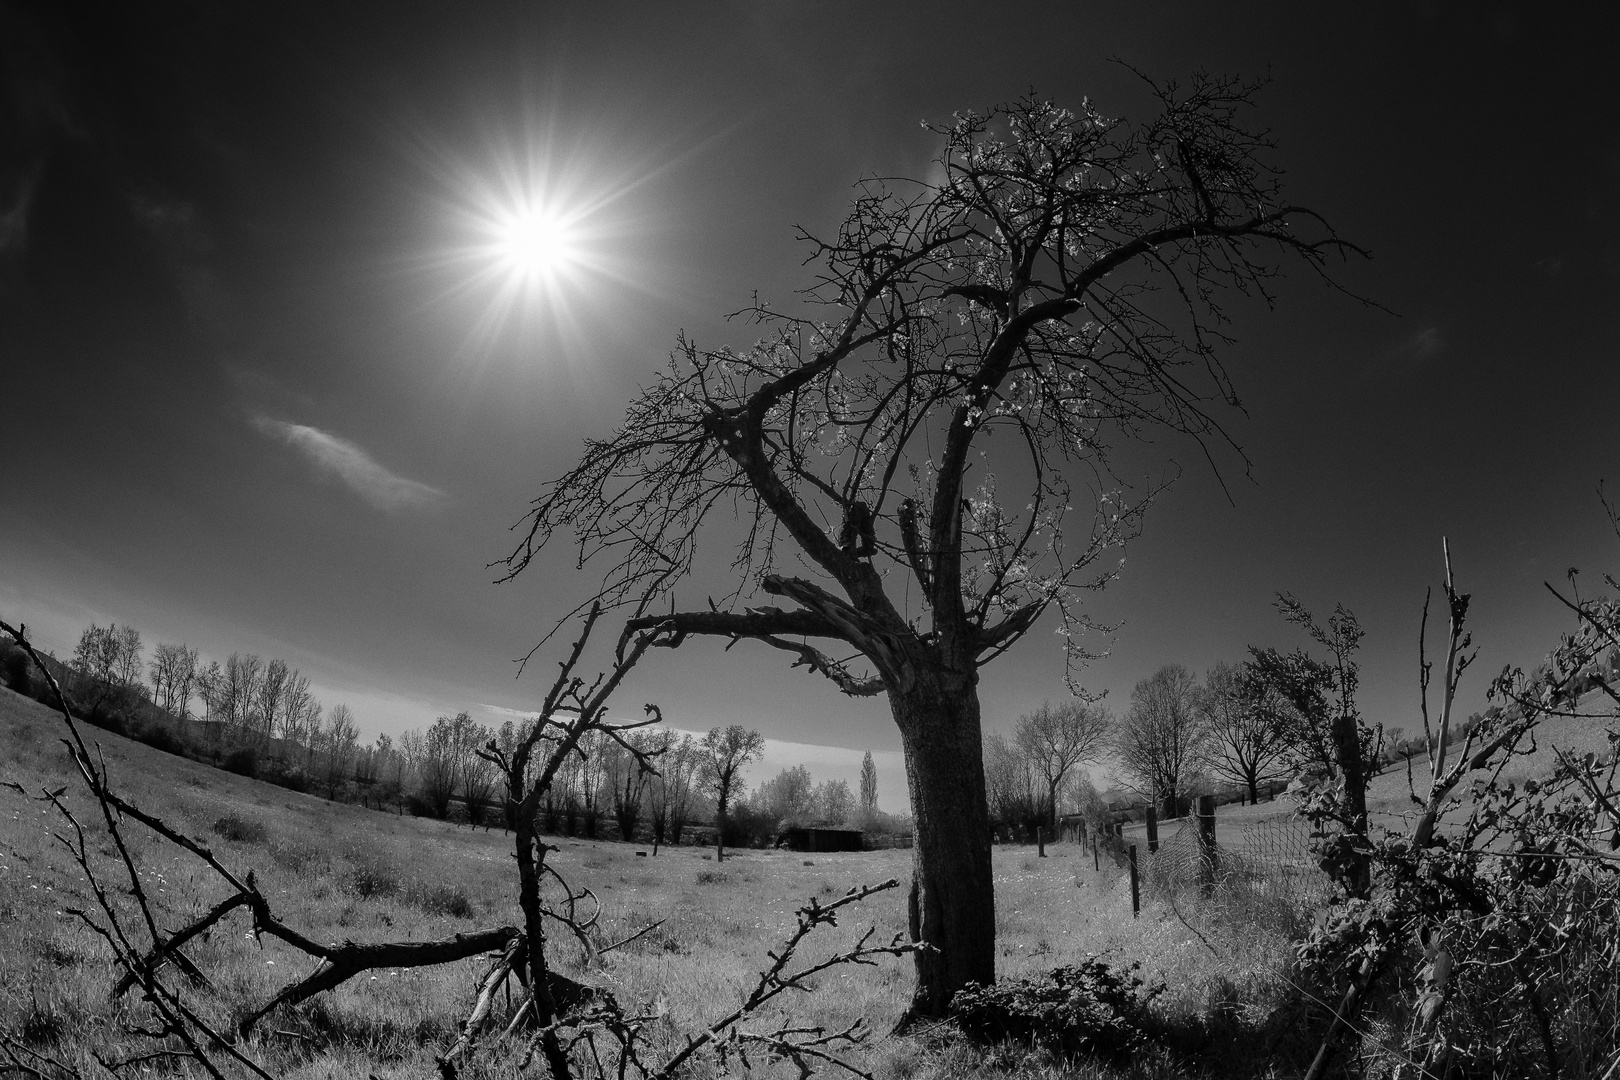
1264 864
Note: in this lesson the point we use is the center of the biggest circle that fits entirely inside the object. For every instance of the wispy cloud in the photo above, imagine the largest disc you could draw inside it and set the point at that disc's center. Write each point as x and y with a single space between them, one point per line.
1409 354
349 463
502 710
16 198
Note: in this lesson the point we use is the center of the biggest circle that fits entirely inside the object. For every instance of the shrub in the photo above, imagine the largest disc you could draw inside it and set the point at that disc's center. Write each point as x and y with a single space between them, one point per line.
161 738
14 669
107 719
242 760
285 774
1083 1010
240 829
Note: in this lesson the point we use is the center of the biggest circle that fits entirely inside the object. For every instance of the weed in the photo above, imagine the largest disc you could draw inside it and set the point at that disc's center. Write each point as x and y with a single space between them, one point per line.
45 1024
451 900
298 858
373 876
712 877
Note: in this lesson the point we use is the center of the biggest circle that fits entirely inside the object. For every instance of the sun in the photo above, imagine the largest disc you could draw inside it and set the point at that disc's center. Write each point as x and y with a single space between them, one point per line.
535 243
526 238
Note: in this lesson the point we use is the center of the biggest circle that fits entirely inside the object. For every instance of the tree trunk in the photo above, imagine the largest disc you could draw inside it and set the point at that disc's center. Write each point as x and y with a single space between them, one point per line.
720 829
1347 749
530 860
952 902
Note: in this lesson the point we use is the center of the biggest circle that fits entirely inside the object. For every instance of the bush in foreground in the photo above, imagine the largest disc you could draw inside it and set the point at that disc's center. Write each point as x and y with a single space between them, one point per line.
1085 1010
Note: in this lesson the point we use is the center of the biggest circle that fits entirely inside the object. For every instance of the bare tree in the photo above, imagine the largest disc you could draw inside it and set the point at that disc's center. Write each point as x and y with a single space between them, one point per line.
239 692
210 679
339 740
126 669
108 660
408 764
591 778
173 672
385 772
95 653
1058 280
1248 742
725 752
1162 739
1013 789
440 763
269 697
1058 738
300 713
628 775
671 790
477 773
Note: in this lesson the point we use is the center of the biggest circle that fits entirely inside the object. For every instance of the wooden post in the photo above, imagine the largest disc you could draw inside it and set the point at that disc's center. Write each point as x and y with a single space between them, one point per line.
1136 888
1096 863
1207 856
1040 839
1152 830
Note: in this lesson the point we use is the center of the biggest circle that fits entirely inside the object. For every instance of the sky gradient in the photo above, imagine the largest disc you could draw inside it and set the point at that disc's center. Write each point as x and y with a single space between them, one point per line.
263 388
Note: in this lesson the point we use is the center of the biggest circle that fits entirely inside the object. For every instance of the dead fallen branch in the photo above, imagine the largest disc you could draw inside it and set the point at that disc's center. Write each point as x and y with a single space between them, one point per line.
345 961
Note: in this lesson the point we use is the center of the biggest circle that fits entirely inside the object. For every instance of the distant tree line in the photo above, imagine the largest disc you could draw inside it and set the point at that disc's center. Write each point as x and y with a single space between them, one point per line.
247 714
258 717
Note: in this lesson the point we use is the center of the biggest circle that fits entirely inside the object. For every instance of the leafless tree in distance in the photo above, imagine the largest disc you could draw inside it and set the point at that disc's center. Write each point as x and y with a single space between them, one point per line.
1162 738
1248 738
1059 738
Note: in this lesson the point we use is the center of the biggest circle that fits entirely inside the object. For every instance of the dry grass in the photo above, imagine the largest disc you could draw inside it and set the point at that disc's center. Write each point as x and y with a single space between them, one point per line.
339 871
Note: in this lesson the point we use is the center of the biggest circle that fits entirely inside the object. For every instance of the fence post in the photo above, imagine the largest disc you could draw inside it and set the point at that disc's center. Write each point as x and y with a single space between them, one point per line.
1152 830
1040 839
1207 865
1096 863
1136 888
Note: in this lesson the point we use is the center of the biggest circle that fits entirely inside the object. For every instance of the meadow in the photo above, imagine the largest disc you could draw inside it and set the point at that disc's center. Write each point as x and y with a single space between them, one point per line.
341 872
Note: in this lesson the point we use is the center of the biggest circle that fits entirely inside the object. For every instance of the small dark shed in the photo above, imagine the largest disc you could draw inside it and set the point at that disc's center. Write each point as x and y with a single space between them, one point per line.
800 838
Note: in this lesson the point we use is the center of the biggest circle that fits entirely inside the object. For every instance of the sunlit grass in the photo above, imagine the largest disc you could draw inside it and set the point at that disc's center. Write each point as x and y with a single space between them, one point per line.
339 871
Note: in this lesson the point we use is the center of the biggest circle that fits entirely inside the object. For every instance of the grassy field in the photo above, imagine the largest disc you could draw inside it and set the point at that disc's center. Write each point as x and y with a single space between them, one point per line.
342 872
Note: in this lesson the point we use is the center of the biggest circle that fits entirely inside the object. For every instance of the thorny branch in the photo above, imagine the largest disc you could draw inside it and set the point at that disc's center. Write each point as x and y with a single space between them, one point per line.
561 1012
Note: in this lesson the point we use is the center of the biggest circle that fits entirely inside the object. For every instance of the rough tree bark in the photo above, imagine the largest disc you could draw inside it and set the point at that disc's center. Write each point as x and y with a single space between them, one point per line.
952 899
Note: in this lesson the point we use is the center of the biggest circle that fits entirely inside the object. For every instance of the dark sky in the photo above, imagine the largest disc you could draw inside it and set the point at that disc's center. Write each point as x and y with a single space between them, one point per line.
260 389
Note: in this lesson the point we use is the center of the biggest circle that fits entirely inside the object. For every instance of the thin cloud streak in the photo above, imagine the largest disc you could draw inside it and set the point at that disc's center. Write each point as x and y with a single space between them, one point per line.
347 462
